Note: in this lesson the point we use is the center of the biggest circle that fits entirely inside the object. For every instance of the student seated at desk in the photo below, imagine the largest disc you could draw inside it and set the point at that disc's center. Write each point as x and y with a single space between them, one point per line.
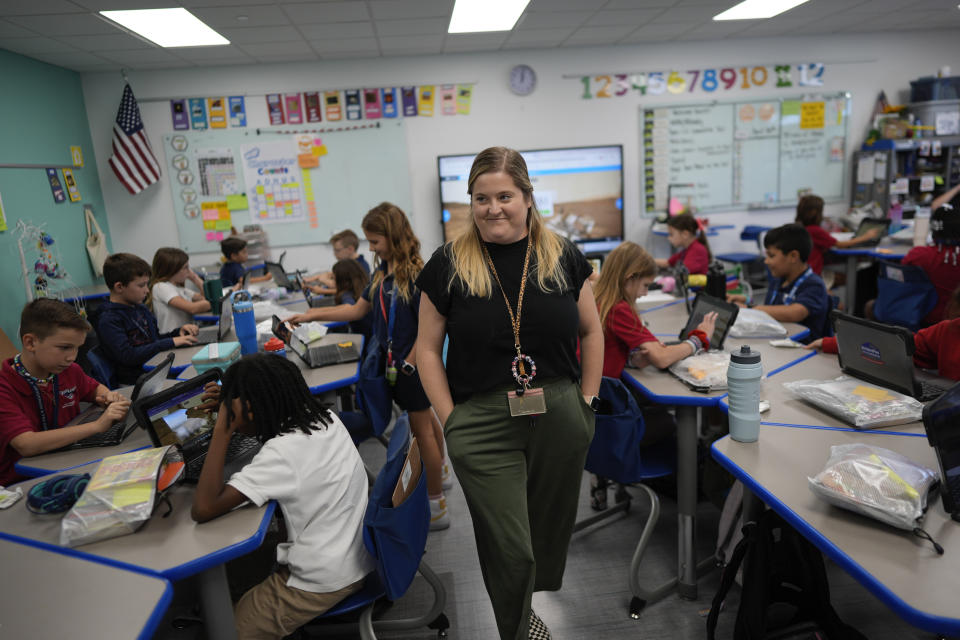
941 262
234 249
128 332
810 215
309 465
936 348
796 293
41 387
174 304
351 280
686 233
346 246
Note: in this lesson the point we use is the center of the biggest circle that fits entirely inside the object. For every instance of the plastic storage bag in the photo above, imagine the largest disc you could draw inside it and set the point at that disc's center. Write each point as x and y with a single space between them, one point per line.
875 482
704 371
858 403
754 323
121 495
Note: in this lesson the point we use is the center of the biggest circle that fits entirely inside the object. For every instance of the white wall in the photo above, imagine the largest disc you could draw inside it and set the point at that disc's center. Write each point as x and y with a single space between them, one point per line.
554 116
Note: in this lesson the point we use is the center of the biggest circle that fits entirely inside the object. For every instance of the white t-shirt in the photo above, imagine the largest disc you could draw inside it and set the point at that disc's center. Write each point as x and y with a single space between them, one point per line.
321 487
170 318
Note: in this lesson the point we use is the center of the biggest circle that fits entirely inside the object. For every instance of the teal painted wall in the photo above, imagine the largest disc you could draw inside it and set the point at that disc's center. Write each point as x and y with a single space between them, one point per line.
42 115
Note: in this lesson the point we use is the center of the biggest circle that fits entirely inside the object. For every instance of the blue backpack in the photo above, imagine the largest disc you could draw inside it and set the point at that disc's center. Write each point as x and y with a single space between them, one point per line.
905 295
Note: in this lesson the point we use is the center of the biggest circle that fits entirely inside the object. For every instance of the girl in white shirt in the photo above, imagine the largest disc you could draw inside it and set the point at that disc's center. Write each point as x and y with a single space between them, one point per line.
173 303
309 465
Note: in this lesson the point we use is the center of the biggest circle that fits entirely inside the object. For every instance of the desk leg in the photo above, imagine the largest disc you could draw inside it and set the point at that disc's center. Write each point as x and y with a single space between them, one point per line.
851 286
216 605
687 501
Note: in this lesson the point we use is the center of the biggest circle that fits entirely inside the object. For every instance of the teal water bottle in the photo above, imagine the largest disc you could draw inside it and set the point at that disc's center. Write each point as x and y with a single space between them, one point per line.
244 323
743 383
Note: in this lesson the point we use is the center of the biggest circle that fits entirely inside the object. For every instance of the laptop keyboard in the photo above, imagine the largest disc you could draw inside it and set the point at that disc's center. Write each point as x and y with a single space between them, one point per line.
239 446
930 391
332 354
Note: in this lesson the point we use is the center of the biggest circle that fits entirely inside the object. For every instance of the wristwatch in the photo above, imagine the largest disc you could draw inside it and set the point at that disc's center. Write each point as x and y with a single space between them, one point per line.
408 368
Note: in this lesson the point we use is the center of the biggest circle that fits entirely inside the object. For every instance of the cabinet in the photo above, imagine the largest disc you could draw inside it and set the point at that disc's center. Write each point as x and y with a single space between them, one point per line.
894 170
258 247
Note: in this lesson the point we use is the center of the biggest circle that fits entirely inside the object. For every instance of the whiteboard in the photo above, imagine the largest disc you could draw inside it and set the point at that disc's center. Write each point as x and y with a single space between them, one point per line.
358 168
751 153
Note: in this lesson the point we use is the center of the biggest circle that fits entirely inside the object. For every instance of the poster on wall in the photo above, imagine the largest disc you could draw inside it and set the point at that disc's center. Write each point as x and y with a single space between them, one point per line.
178 111
238 111
198 114
55 187
273 181
3 217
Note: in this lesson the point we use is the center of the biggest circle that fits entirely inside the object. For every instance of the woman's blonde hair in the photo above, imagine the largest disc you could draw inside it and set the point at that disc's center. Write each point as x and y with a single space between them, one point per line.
469 264
167 261
629 260
389 221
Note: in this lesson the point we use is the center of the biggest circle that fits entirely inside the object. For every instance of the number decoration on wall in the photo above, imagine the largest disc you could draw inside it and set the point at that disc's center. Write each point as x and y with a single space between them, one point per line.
711 81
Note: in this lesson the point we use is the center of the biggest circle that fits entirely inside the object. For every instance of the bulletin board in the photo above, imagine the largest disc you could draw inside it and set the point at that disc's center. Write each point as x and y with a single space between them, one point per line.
752 153
301 187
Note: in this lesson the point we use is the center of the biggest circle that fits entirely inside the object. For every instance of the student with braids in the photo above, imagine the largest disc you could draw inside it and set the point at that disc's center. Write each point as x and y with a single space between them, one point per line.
686 233
309 465
392 291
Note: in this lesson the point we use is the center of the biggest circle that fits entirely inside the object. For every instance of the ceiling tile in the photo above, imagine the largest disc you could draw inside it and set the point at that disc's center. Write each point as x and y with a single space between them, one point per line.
138 56
638 4
113 42
286 57
547 20
716 30
425 26
635 17
10 30
112 5
211 54
538 37
349 55
557 5
331 46
657 32
460 42
256 16
66 24
35 45
775 27
294 47
400 9
190 4
337 30
598 35
69 60
245 35
411 44
314 12
34 7
687 14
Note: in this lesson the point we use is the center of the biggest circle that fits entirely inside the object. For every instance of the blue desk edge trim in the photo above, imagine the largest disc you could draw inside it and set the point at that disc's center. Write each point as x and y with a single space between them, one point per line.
927 622
36 472
156 616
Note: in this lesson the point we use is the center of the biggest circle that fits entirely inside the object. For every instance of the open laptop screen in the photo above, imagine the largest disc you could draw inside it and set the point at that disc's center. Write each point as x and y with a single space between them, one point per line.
726 316
883 224
872 351
279 275
177 419
940 419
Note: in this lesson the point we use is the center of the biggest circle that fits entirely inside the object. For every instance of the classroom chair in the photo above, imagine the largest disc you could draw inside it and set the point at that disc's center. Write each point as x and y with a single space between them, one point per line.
100 368
615 454
397 538
905 295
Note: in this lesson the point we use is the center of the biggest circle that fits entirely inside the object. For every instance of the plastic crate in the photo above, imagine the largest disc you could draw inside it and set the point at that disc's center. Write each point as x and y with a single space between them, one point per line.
227 354
930 88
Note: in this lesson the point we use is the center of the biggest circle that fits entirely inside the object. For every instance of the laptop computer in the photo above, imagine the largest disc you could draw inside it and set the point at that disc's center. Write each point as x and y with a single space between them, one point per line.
219 331
316 355
881 354
275 269
883 224
147 384
940 419
173 416
312 300
726 316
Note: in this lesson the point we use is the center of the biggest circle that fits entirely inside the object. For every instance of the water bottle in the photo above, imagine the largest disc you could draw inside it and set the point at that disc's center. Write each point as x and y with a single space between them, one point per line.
743 382
244 323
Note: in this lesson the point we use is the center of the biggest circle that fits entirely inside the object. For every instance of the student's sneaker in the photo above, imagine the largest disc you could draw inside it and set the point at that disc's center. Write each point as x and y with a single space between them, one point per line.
439 518
537 630
446 476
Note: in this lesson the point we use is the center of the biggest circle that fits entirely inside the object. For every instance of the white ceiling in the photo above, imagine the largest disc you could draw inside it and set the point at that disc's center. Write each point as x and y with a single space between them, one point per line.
70 34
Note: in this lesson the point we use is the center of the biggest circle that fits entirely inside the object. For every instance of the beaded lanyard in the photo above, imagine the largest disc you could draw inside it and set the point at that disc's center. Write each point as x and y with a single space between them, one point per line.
517 367
34 383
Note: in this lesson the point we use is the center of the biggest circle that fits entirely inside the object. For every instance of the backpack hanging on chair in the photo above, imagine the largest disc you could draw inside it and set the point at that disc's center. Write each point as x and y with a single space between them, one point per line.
905 295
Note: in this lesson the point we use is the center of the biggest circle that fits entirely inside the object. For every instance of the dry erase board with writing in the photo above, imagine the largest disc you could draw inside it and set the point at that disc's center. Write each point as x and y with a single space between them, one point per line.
301 187
754 153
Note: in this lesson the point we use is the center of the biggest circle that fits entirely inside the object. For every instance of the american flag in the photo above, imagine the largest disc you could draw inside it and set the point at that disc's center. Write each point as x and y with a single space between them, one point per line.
132 160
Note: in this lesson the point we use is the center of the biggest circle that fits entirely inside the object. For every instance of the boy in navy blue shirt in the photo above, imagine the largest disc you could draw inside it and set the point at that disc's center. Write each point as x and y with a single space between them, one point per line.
126 328
796 293
346 246
235 251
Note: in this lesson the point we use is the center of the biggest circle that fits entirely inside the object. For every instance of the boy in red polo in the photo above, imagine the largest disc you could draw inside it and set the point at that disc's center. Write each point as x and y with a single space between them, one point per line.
41 387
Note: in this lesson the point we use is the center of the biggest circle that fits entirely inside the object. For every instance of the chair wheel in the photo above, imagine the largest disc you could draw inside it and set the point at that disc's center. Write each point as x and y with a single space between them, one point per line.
636 606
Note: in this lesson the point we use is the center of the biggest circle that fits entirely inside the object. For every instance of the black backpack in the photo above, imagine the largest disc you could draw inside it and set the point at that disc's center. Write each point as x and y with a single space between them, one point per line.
785 589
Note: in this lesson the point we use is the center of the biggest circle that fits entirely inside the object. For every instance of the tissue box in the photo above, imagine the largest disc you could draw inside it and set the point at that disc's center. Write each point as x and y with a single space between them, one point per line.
227 354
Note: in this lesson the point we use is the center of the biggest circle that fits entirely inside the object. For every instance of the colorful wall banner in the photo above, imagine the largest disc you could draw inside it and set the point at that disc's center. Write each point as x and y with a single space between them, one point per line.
178 111
352 99
238 111
293 108
409 95
425 100
218 113
448 105
72 189
655 83
198 114
464 96
55 187
388 102
331 101
371 104
311 104
275 108
76 156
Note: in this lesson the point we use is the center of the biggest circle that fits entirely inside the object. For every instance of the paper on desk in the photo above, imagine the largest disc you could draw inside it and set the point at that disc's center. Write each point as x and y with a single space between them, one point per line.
865 169
656 296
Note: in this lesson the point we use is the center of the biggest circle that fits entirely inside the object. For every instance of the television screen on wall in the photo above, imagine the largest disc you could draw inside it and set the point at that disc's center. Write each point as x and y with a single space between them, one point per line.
578 191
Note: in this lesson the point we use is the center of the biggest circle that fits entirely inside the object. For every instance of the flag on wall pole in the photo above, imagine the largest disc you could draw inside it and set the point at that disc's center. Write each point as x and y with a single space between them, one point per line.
132 159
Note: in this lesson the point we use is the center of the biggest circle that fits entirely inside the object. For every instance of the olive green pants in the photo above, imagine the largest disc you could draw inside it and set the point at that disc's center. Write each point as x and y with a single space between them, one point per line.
521 478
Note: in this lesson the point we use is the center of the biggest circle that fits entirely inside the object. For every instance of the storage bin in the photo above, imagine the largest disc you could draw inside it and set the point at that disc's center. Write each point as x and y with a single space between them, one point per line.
227 354
930 88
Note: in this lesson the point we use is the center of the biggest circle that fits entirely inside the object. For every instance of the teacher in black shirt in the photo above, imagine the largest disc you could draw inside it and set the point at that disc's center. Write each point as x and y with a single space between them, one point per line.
515 401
